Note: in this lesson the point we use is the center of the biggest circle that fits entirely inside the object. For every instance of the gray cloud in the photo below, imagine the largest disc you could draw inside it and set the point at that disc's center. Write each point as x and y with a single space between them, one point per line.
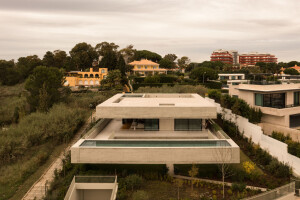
193 28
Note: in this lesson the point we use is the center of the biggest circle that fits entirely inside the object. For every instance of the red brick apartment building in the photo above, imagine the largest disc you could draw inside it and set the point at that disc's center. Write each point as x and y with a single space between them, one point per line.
222 55
253 58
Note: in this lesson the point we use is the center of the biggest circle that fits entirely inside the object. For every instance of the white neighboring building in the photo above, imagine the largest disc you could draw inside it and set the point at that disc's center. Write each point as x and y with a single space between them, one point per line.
232 79
155 129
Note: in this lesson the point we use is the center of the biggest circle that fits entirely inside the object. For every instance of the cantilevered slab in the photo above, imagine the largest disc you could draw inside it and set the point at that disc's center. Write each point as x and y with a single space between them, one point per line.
156 106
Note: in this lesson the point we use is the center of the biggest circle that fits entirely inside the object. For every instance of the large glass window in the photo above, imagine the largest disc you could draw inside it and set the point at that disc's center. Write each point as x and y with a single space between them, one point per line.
188 125
296 98
274 100
151 125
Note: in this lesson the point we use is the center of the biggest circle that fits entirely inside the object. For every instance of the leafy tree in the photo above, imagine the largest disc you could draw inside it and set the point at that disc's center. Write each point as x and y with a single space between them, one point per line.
203 72
48 59
170 57
82 55
183 62
109 60
217 65
121 65
26 65
166 64
145 54
61 59
128 53
9 74
105 47
293 63
291 71
44 85
113 79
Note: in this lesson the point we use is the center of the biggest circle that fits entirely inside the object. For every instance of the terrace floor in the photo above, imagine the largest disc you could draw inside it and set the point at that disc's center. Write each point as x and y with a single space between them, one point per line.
115 130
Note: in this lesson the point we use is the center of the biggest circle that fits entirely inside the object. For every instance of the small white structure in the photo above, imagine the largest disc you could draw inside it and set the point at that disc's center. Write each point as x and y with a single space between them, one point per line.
232 79
92 188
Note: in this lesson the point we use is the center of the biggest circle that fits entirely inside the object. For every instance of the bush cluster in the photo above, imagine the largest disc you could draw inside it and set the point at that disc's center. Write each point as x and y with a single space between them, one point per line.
257 154
238 106
293 147
58 125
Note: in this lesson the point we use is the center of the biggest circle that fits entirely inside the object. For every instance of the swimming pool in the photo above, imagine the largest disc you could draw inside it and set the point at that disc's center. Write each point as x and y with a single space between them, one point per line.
154 143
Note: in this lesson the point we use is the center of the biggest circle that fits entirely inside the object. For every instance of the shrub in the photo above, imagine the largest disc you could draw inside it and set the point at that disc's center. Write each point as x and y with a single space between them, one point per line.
229 192
238 187
140 195
133 181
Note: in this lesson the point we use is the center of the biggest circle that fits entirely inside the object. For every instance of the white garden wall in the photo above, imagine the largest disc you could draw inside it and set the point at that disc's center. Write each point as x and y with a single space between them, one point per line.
274 147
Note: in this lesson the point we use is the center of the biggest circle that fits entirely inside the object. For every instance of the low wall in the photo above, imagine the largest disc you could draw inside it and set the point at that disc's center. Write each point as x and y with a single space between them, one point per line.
274 147
269 128
97 129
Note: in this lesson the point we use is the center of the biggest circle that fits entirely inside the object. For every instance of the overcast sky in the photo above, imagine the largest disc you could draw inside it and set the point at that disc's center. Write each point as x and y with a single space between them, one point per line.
192 28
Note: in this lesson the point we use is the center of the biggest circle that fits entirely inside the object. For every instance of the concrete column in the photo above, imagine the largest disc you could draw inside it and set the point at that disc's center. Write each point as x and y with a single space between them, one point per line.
170 166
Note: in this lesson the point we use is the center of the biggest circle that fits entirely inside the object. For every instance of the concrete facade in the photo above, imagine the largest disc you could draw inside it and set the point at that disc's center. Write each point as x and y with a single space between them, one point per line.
126 126
271 115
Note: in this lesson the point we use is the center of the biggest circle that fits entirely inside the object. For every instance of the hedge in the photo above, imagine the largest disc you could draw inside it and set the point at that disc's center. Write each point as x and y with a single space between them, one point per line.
293 147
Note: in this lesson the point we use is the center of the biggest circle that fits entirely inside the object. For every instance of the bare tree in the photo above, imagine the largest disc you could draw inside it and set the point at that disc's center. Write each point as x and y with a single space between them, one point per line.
223 154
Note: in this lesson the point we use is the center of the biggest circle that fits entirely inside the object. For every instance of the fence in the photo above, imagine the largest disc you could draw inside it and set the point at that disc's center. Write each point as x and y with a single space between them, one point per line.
276 193
274 147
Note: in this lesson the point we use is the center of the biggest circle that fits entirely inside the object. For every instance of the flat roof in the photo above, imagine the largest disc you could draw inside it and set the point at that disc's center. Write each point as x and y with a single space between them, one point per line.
269 88
156 105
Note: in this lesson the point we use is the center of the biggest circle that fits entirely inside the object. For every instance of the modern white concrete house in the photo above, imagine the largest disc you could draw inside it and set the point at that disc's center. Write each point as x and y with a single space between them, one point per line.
280 103
232 79
92 188
155 129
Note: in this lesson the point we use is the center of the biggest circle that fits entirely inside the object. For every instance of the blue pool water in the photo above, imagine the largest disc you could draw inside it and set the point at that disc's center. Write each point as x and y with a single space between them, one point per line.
153 143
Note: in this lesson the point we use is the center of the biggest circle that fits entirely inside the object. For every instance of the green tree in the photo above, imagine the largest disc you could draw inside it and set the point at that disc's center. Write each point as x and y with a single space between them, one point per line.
105 47
205 73
145 54
170 57
128 53
82 55
48 59
291 71
293 63
183 62
109 60
44 86
193 173
26 65
9 74
121 65
166 64
113 79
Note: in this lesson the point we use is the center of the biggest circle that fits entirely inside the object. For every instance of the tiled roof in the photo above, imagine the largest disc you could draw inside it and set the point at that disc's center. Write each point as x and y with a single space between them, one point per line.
296 68
143 62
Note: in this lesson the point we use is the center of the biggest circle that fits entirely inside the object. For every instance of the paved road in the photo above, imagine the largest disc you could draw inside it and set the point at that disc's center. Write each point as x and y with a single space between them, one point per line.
38 189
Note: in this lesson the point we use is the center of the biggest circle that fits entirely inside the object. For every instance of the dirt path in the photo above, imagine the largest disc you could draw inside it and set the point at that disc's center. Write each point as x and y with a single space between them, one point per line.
39 188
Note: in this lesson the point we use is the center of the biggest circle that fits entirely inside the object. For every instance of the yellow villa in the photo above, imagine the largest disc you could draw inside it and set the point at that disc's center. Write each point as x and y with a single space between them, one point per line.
145 67
90 78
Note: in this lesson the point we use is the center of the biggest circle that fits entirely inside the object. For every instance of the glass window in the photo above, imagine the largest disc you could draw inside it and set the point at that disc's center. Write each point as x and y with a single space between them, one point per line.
296 98
181 124
188 125
151 125
195 124
145 67
258 99
103 71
